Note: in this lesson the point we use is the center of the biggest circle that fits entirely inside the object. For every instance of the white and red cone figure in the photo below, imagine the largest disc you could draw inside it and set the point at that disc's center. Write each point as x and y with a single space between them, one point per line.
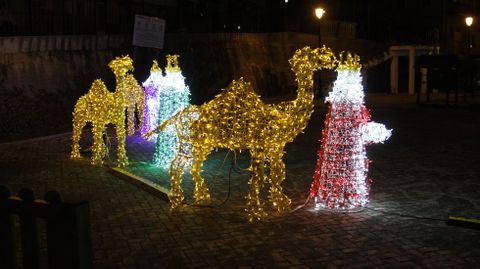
340 181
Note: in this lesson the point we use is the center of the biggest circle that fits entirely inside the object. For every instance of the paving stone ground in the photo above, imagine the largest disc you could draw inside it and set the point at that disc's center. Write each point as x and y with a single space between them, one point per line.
428 169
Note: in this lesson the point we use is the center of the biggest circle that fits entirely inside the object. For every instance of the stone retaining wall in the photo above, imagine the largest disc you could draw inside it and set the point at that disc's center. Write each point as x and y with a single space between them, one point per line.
211 61
41 77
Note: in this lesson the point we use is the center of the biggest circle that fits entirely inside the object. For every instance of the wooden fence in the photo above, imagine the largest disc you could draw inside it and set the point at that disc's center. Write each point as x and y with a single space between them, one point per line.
67 228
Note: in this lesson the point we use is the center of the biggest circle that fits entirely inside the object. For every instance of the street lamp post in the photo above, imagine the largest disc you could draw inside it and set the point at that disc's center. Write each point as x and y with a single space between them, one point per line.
469 22
319 12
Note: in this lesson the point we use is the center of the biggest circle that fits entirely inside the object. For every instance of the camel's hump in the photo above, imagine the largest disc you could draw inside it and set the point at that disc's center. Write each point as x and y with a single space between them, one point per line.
98 88
239 90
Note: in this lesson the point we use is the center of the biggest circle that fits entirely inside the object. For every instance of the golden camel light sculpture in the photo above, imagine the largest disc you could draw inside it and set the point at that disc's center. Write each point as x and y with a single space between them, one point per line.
101 107
134 101
237 119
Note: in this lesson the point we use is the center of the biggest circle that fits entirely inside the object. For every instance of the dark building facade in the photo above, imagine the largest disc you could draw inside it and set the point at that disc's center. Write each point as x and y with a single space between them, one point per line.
47 17
428 22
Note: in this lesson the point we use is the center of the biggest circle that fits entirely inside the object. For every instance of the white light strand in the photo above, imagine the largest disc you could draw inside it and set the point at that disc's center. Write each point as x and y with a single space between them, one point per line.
340 180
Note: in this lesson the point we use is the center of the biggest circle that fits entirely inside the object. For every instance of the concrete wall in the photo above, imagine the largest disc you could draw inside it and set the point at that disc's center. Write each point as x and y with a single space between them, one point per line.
41 77
56 63
210 61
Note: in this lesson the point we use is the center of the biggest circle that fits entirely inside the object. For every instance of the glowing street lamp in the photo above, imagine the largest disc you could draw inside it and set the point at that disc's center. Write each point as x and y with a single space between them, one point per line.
319 12
468 21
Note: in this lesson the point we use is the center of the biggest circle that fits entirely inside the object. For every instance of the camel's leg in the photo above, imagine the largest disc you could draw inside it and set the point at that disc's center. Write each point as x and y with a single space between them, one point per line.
277 174
141 111
176 174
122 158
78 124
201 192
255 208
130 120
99 148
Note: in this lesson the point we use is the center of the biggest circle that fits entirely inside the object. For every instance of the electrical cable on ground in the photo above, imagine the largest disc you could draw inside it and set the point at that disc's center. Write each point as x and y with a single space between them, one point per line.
229 184
403 215
455 221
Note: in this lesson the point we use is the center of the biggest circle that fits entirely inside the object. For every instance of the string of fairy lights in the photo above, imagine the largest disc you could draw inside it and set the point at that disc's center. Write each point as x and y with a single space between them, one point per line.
340 180
152 104
238 120
165 96
173 95
101 107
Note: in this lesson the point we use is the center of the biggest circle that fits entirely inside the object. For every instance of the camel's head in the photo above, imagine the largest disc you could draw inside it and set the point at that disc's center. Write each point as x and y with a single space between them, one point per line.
121 65
305 61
